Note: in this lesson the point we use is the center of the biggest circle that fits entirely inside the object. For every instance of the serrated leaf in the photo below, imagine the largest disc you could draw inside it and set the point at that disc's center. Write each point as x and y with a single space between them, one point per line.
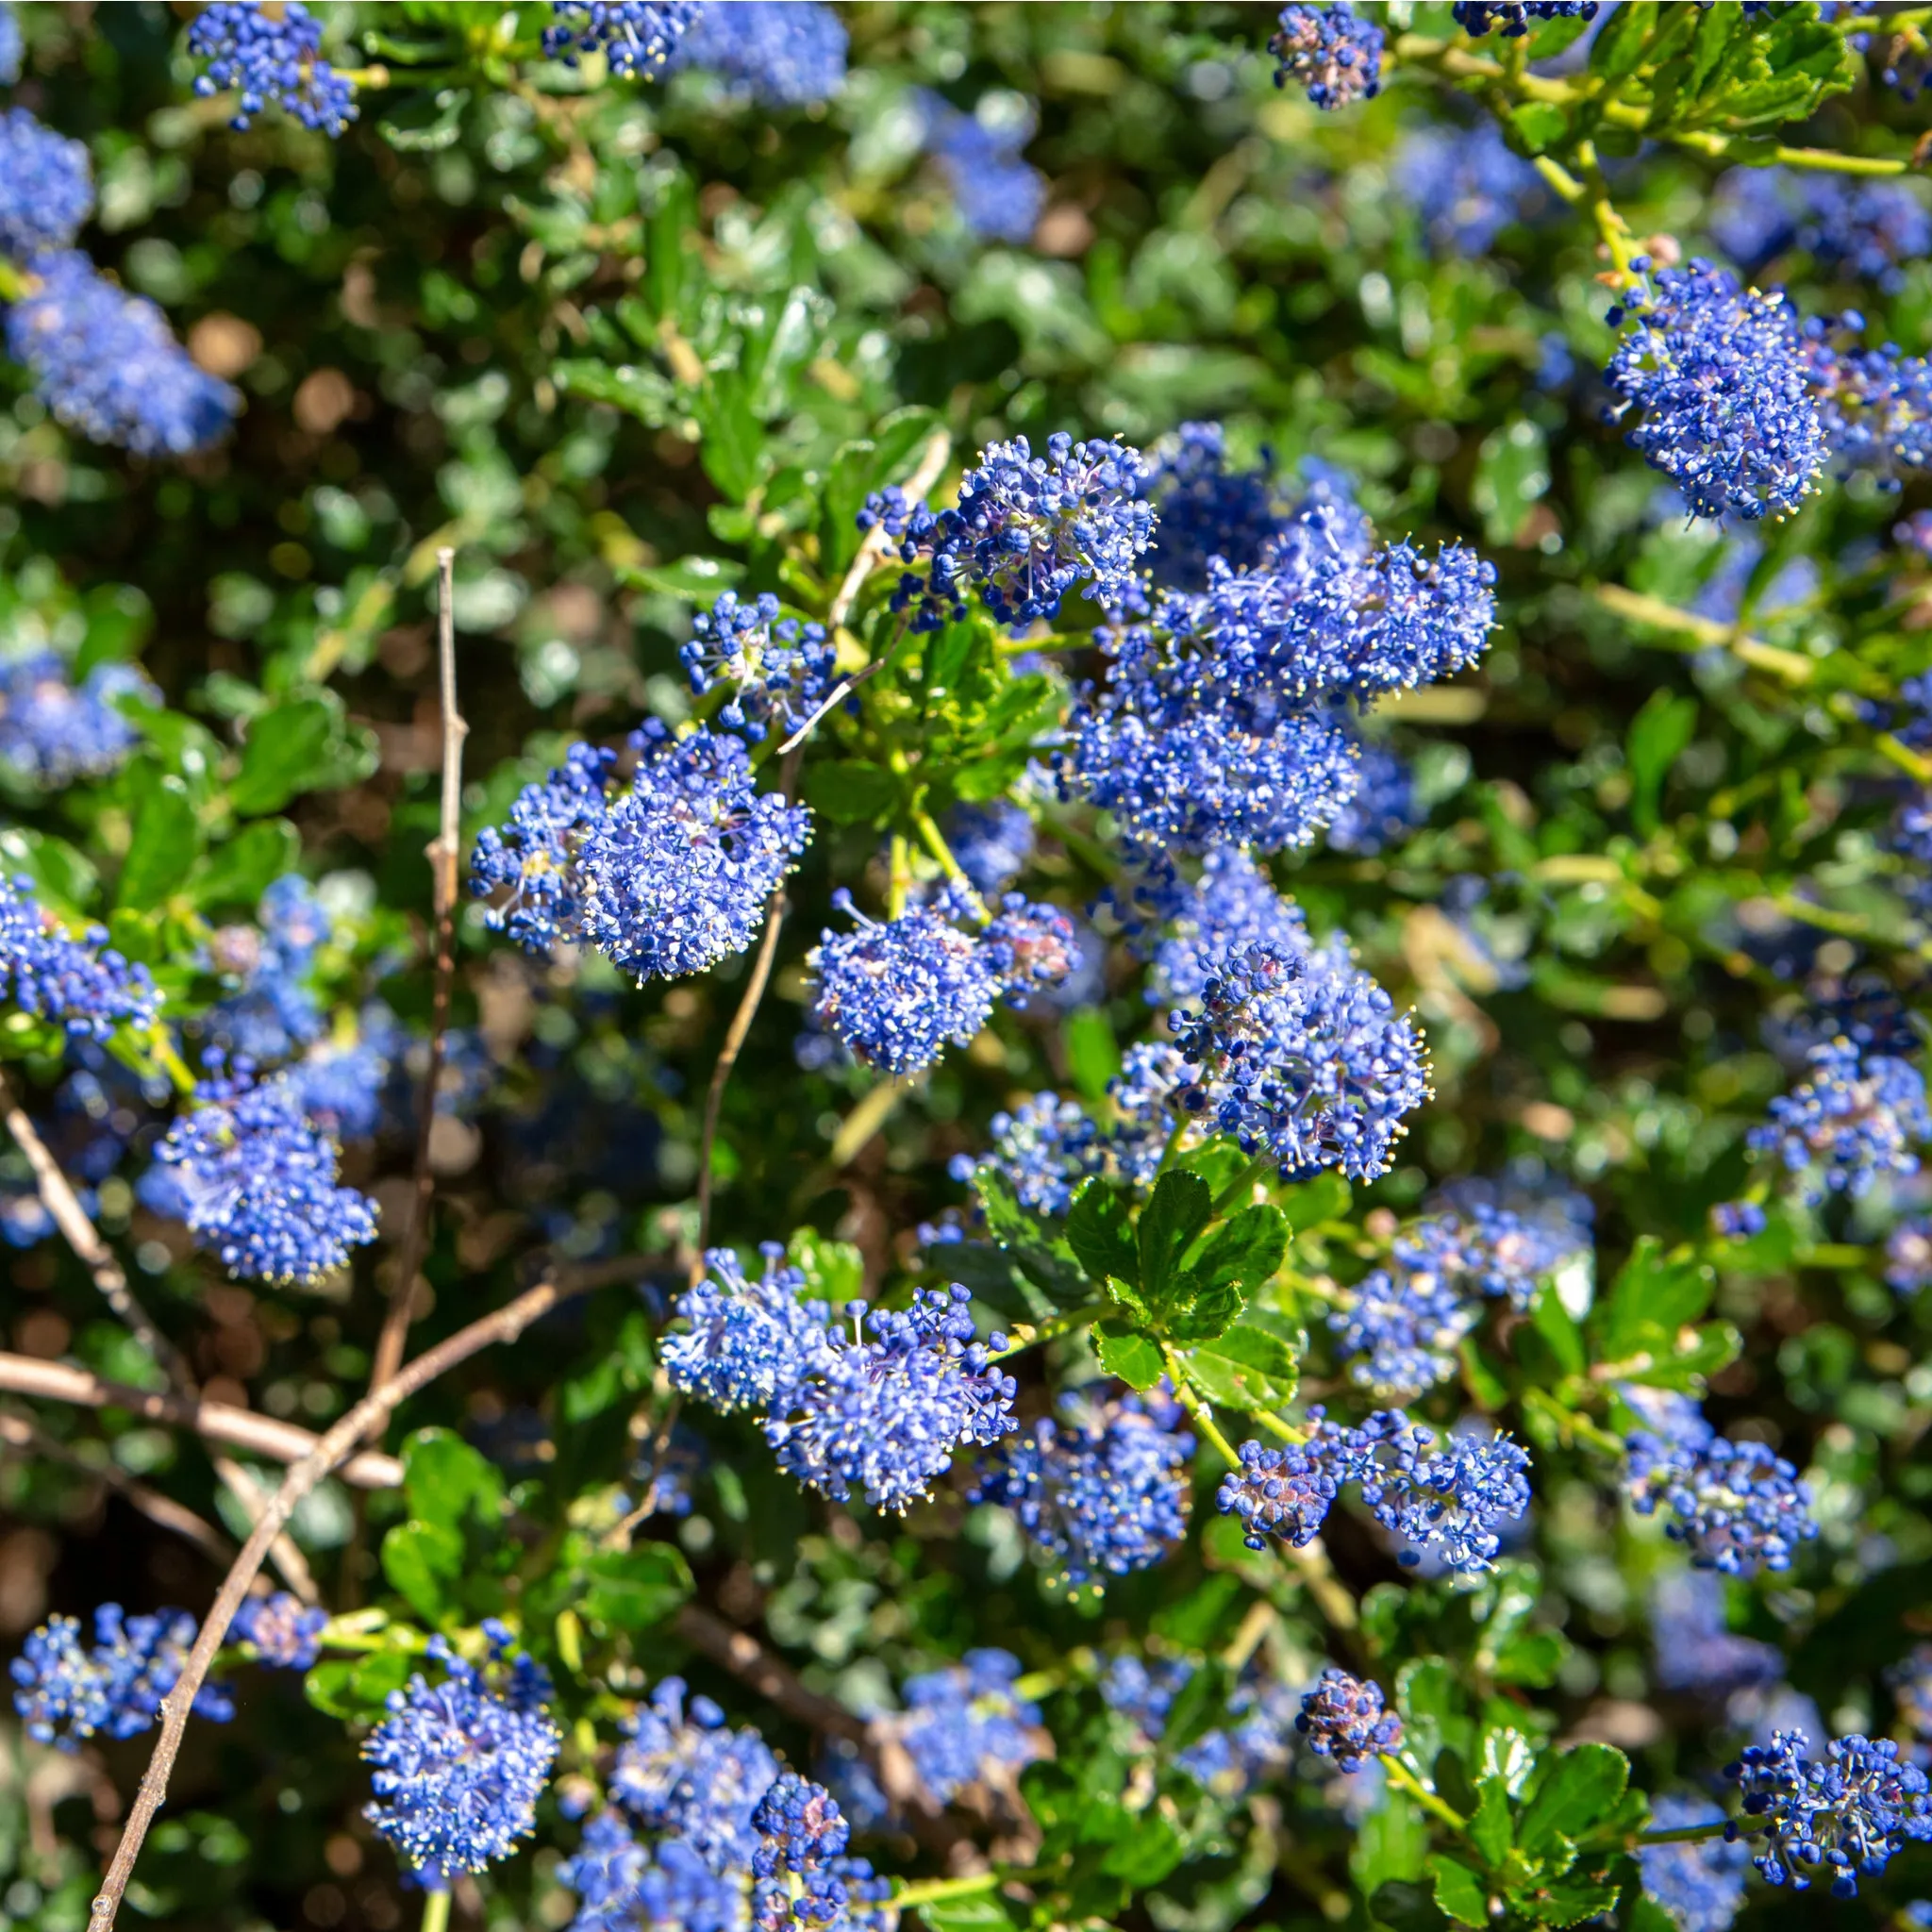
1175 1214
1245 1251
1207 1312
1100 1231
1459 1890
1054 1273
1246 1368
1568 1901
1125 1352
1491 1824
447 1482
422 1560
1580 1789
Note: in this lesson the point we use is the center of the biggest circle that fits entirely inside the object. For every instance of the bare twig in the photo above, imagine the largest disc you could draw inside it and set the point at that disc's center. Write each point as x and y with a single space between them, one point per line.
239 1428
870 552
82 1236
19 1433
443 852
283 1551
752 1664
330 1449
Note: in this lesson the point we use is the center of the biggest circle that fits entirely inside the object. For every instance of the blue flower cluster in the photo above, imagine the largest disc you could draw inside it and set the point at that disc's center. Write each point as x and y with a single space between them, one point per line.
1206 507
1855 1120
1511 18
1298 1052
880 1407
777 53
777 667
1332 50
105 363
271 56
1225 717
1228 1761
273 1013
1736 1506
681 1771
255 1180
1452 1499
1466 184
804 1884
457 1767
1695 1649
1104 1489
1027 531
53 731
1385 809
966 1723
998 195
1700 1882
67 1692
1874 404
46 186
992 843
286 1632
636 36
1848 1812
1044 1149
83 983
666 879
1863 231
1342 1718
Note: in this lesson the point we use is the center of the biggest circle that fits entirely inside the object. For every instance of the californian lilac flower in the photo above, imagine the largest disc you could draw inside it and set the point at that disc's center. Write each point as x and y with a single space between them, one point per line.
274 1014
779 52
1204 507
1234 904
1511 18
83 983
1465 184
964 1719
1029 947
1847 1813
67 1694
1044 1150
105 365
1451 1500
684 1772
1872 403
1301 1053
674 874
1915 532
53 731
46 186
1104 1489
1738 1221
1332 50
1284 1492
750 1342
258 1183
460 1769
1910 1679
1342 1718
800 1824
1503 1253
992 843
533 857
341 1087
670 1473
1385 808
998 195
1144 1693
270 57
895 993
1856 1118
778 667
1736 1506
1862 230
620 1887
885 1411
803 1883
1694 1648
1146 1095
285 1632
1253 1747
1401 1329
1699 1882
1909 1256
636 36
1720 374
9 46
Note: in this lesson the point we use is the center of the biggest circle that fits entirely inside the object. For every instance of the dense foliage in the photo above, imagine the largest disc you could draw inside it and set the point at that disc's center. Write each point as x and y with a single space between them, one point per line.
963 965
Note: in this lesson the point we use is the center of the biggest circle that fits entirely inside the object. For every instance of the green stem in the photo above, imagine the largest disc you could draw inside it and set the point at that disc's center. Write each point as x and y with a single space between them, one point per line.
929 1891
1197 1409
1693 1833
902 876
1242 1182
436 1912
1054 1327
1281 1431
1573 1427
1404 1779
936 843
1173 1145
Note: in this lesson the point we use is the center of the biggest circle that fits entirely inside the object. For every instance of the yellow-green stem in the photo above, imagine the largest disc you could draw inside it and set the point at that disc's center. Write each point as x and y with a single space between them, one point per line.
1052 1328
929 1891
936 843
1406 1780
1197 1409
436 1912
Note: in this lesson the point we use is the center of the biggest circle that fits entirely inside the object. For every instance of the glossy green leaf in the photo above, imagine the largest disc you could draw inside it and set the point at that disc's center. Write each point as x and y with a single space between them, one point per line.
1127 1352
166 843
1100 1231
638 1588
1246 1368
1175 1212
447 1482
1459 1890
423 1561
1577 1791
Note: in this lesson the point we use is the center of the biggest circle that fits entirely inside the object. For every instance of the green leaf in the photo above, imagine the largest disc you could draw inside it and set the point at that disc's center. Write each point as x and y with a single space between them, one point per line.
1663 728
166 843
355 1688
1100 1231
834 1271
1094 1055
1145 1855
1459 1890
637 1588
1539 125
1246 1368
1245 1251
426 122
1430 1699
980 1913
238 871
1491 1826
1050 1267
732 445
850 792
1209 1311
1176 1212
1581 1787
1127 1352
1392 1845
1653 1296
447 1482
302 744
63 877
1552 1321
1620 47
1569 1900
696 579
422 1560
